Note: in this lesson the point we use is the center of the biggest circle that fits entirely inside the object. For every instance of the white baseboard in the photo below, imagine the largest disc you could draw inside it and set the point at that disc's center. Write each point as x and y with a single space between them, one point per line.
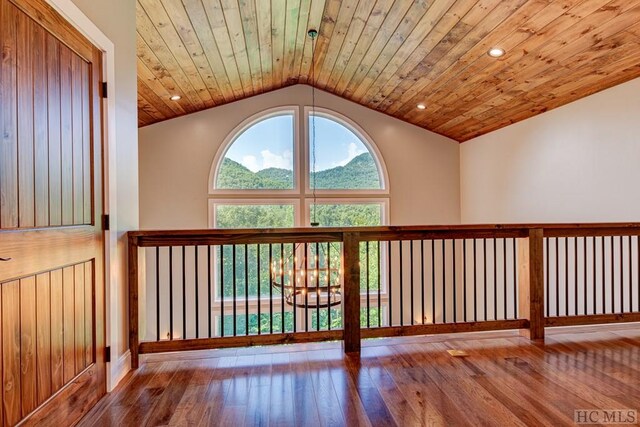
118 370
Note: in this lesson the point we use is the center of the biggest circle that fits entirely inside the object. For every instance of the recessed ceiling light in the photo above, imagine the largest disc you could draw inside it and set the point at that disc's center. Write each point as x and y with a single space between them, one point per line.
496 52
421 107
176 98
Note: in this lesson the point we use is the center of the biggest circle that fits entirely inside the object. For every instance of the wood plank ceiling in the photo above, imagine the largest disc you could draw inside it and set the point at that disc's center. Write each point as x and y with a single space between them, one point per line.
389 55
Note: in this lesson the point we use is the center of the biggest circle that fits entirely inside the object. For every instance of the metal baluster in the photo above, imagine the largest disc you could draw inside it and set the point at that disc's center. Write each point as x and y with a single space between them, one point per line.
630 276
464 277
455 299
495 279
389 285
433 281
613 281
282 287
209 288
595 309
259 290
401 297
444 283
329 283
221 262
195 255
475 281
515 280
604 275
584 284
184 296
305 263
484 282
557 265
379 286
271 273
411 277
368 284
504 277
158 292
234 307
575 275
566 276
171 292
548 284
246 289
317 266
422 278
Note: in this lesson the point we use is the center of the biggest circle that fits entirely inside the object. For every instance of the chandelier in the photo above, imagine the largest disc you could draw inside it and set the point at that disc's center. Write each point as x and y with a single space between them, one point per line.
317 285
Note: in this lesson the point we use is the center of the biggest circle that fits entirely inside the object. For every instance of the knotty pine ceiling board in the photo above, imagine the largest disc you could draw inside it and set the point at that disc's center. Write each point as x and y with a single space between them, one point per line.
388 55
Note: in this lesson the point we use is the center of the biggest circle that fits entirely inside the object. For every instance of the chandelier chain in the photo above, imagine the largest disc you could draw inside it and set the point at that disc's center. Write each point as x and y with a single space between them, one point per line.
313 36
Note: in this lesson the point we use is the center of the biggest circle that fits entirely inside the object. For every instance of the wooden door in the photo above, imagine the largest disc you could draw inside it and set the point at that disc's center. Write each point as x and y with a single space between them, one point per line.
51 279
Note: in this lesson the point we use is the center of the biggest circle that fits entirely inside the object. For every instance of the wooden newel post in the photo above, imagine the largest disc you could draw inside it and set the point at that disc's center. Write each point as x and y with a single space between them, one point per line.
133 301
351 292
531 284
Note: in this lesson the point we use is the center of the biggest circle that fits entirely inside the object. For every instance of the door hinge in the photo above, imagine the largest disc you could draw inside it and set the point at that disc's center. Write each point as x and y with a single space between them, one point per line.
104 89
107 354
105 222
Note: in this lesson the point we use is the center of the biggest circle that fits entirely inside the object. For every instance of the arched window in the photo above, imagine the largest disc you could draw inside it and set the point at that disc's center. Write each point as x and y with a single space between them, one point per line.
269 173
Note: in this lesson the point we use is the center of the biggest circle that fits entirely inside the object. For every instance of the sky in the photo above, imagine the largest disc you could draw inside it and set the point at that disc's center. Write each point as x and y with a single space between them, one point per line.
269 144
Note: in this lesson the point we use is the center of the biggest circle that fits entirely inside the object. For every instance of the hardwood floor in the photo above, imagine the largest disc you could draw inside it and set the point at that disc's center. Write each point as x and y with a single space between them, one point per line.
505 380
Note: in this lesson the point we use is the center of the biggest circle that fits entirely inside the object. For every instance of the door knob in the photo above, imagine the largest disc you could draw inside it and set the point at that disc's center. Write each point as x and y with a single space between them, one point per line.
5 259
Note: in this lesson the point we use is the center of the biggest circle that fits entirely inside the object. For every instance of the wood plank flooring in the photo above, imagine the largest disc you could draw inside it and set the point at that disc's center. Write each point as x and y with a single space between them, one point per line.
506 380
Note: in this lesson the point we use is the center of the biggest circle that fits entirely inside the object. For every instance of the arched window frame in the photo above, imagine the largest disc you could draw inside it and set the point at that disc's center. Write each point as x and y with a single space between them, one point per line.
301 196
237 132
364 138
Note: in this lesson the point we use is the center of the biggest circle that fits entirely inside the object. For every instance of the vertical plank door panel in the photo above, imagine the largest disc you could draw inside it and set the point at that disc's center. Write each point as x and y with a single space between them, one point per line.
43 317
11 352
9 124
55 141
40 125
68 316
76 126
28 344
88 309
26 186
66 119
79 317
57 331
87 170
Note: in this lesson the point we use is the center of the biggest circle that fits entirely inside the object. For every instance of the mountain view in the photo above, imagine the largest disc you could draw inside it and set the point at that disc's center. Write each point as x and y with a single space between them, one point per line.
360 173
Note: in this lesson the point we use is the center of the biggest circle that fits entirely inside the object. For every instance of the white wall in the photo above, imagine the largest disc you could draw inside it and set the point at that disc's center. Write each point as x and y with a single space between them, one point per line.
577 163
176 157
116 19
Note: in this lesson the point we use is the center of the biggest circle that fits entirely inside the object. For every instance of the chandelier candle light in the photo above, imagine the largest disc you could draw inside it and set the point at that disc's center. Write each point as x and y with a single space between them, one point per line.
303 285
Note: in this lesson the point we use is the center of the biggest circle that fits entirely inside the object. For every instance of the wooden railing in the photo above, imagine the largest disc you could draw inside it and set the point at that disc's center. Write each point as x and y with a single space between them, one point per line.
222 288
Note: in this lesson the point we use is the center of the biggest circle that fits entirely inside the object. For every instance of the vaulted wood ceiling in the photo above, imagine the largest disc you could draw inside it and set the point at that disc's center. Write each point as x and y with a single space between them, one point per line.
388 55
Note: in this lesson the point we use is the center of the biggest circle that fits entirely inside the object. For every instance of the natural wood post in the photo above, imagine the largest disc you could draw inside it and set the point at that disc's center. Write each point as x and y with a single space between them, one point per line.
133 301
531 284
351 292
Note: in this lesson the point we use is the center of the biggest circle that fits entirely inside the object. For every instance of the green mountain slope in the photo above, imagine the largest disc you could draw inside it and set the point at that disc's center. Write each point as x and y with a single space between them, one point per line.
359 173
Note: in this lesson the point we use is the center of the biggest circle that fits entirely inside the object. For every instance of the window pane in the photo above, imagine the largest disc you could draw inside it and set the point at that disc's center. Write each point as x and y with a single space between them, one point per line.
354 215
342 161
244 271
254 216
261 157
346 215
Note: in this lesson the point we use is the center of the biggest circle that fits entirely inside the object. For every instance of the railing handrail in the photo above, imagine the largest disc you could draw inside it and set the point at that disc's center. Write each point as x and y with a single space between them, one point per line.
335 234
529 260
